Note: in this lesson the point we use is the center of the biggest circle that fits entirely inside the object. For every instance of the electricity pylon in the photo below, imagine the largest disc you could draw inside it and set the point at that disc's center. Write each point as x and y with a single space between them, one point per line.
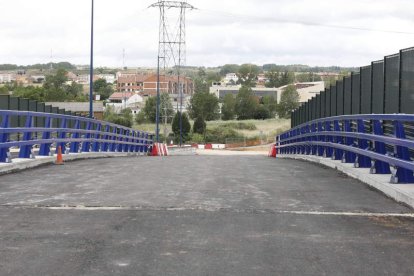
171 49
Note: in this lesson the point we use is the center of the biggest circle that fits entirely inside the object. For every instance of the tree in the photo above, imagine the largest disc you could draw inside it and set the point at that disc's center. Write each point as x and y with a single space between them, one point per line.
229 68
166 108
201 85
74 91
150 109
246 103
308 77
288 101
270 103
140 118
30 92
247 74
228 107
204 105
56 81
124 118
273 79
101 87
199 126
186 127
261 113
286 78
4 90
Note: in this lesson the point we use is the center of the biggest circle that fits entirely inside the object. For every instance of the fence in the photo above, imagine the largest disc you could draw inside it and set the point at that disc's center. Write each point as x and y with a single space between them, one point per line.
384 87
382 142
73 134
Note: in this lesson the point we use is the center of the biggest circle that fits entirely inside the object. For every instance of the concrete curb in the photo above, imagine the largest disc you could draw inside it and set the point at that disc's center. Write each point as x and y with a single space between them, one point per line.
176 151
19 164
403 193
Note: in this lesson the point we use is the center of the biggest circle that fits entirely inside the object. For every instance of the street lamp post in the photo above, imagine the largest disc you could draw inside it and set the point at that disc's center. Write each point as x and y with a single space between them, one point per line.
91 68
157 115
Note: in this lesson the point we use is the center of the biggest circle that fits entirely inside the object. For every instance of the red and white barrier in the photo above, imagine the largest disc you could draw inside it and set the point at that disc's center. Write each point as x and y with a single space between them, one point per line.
159 149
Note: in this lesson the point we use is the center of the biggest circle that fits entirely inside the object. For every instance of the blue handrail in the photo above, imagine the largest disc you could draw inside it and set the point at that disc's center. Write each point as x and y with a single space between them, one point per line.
76 134
359 139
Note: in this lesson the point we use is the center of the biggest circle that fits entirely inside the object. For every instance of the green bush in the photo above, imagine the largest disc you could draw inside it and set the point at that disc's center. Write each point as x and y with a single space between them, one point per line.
261 113
124 119
220 134
197 138
199 126
240 125
186 126
140 118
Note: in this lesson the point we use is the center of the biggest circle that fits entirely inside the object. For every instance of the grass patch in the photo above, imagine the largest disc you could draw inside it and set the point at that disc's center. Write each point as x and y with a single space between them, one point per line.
240 125
218 131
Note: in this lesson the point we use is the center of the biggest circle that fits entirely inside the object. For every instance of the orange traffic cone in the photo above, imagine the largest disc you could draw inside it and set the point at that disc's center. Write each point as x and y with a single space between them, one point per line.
59 157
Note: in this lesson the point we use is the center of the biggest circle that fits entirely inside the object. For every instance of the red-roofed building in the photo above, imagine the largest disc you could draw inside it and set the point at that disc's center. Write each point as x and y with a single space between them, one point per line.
131 82
118 97
146 85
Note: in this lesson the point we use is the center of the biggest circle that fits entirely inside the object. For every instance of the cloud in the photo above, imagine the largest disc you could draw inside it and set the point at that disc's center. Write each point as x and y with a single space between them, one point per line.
218 32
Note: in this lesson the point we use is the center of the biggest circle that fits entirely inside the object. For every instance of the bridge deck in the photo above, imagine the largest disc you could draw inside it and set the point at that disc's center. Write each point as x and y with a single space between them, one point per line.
233 215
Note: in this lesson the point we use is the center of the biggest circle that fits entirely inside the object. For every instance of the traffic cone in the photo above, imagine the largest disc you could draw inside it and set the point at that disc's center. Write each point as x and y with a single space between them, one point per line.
59 157
154 151
274 151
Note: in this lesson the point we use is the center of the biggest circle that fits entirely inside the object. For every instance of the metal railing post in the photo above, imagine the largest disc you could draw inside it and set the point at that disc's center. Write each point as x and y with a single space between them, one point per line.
74 146
26 151
401 175
4 137
379 167
362 161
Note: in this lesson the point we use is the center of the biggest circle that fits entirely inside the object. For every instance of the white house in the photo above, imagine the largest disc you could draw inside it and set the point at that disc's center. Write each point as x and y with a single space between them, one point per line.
119 101
108 77
231 78
5 78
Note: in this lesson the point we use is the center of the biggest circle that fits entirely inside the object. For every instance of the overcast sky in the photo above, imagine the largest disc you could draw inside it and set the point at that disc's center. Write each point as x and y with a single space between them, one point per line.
218 32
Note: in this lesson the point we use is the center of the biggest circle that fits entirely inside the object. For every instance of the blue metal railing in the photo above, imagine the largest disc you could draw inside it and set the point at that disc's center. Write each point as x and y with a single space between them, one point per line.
74 134
382 142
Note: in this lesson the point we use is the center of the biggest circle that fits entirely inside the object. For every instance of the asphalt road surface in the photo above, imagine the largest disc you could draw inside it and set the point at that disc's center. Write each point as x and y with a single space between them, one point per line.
199 215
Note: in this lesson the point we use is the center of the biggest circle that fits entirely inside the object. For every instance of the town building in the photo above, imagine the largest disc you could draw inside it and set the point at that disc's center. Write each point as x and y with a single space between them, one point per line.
7 78
130 82
122 100
306 90
110 78
222 90
231 78
146 86
261 80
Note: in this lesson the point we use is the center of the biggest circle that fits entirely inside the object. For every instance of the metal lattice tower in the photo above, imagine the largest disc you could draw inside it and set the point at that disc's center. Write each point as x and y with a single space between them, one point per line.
171 48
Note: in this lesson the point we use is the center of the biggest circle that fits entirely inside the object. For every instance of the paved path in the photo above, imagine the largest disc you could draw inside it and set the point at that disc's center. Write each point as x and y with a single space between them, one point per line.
222 215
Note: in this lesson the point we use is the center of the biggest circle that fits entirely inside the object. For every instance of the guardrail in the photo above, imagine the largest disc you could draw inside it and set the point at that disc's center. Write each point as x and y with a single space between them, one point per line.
382 142
74 134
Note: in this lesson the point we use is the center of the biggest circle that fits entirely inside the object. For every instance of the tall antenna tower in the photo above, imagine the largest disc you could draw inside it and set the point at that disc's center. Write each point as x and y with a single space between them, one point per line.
51 60
123 59
171 49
